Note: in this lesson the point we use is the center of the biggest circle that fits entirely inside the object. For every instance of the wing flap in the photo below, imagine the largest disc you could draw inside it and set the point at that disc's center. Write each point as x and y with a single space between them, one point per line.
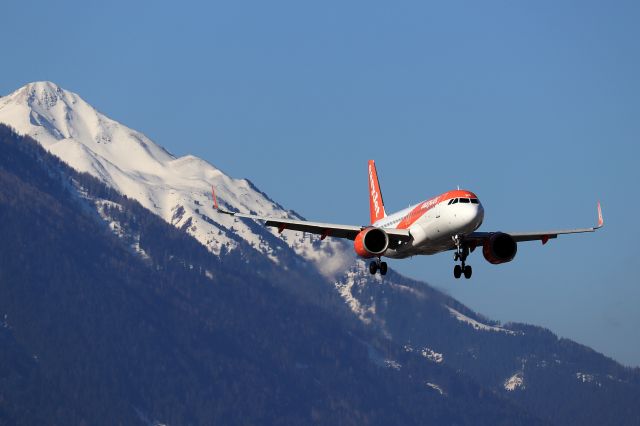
325 229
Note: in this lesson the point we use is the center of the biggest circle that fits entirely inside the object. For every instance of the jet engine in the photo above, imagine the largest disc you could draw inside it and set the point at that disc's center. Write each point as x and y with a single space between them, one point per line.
499 248
371 242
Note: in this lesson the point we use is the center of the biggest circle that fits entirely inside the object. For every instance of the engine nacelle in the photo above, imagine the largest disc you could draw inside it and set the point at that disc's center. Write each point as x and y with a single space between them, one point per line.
371 242
499 248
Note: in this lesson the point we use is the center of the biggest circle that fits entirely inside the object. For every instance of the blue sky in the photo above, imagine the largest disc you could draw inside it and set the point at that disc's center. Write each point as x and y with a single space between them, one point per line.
534 106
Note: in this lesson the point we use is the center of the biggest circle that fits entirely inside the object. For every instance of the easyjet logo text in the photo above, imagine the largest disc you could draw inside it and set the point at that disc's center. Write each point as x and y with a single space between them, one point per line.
428 204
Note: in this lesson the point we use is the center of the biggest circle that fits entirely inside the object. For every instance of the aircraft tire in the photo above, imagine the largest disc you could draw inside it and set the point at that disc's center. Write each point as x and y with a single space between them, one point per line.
383 268
373 268
457 271
467 271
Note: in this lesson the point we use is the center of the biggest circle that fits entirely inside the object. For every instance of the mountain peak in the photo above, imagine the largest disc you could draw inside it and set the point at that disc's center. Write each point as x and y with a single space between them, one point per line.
42 87
70 128
42 93
45 111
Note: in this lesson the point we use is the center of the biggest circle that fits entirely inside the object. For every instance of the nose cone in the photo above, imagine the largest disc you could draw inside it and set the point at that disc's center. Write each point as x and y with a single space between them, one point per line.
470 216
479 217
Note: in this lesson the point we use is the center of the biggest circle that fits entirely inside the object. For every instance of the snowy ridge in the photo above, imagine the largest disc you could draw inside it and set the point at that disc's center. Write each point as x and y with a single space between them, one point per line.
478 325
67 126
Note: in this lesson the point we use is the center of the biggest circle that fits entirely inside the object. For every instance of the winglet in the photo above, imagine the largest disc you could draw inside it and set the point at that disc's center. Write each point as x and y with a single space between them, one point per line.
600 219
215 199
215 203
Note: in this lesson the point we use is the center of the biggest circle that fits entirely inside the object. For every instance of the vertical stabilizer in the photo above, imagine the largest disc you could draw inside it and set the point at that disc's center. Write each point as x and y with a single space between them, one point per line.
376 205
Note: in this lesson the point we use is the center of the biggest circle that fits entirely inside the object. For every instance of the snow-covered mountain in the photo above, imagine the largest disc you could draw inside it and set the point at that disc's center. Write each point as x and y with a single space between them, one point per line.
179 191
176 189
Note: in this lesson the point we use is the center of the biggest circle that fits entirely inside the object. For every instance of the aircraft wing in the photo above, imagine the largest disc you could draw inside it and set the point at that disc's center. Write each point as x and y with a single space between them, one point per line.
396 236
544 236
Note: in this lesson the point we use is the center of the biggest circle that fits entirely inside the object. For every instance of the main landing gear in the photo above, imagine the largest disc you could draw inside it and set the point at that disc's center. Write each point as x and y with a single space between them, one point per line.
462 251
377 264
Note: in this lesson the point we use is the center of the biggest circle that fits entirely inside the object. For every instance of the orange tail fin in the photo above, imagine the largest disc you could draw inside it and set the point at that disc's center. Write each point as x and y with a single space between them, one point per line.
376 205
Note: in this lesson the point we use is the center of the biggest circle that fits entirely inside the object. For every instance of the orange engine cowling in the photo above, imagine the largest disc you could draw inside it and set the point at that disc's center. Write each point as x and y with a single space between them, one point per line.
371 242
499 248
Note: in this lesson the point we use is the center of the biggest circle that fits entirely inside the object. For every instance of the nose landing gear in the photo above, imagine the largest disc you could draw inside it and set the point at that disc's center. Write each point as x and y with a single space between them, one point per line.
462 251
376 265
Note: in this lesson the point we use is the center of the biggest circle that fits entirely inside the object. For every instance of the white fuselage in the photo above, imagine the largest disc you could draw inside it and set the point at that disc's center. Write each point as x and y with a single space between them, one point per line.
434 223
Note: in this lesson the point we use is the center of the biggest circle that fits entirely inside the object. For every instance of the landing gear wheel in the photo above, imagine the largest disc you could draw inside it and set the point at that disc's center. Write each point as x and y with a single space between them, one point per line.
462 251
373 268
457 271
467 272
383 268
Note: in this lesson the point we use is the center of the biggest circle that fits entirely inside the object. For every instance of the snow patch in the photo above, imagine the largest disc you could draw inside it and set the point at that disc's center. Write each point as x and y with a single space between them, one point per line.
426 352
587 378
353 279
135 246
432 355
514 382
436 388
390 363
478 325
132 239
5 322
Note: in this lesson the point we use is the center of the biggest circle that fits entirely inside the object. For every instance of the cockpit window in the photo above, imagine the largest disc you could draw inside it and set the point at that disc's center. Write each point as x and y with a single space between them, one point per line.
474 201
455 200
464 200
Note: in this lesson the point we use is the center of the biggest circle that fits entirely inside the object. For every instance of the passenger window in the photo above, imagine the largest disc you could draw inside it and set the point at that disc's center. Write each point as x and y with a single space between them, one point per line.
464 200
474 200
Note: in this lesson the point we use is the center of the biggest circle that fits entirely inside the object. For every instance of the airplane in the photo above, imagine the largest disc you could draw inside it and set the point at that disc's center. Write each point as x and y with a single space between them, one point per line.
443 223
